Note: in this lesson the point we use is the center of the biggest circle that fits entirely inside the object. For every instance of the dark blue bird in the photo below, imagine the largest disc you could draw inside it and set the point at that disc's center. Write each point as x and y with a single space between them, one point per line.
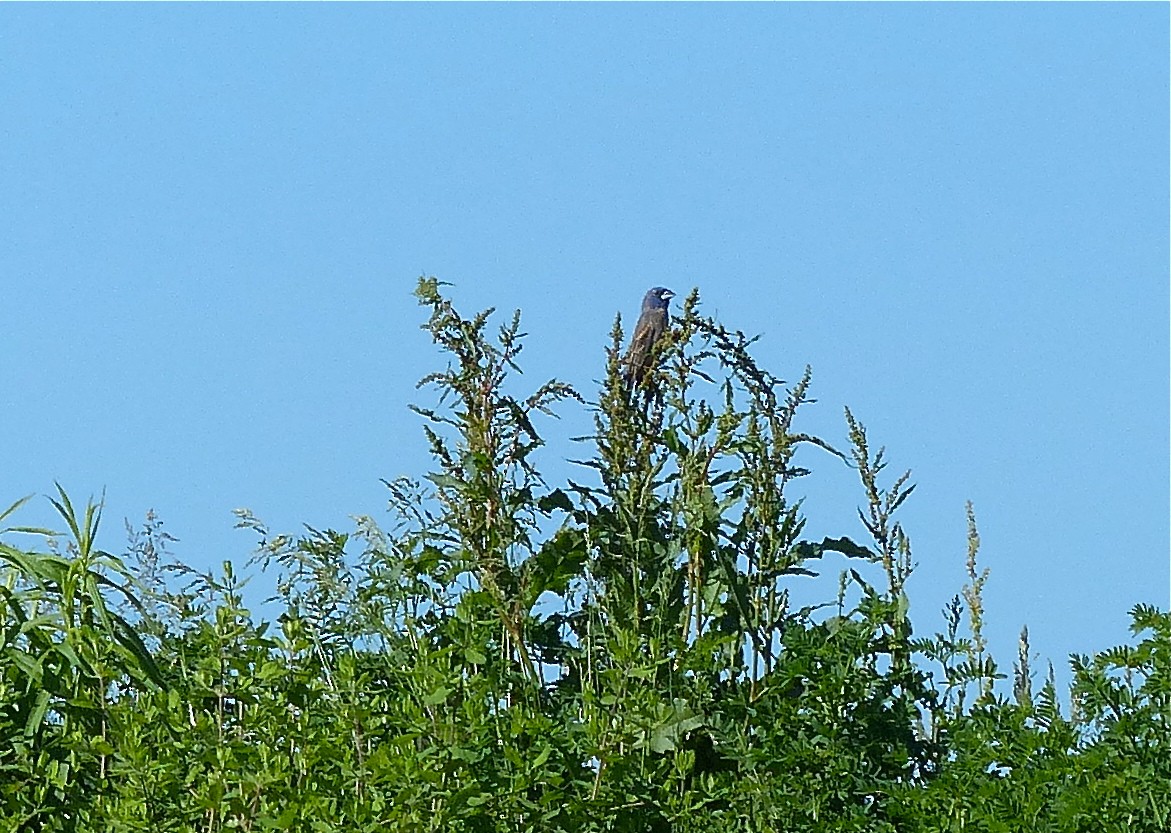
652 323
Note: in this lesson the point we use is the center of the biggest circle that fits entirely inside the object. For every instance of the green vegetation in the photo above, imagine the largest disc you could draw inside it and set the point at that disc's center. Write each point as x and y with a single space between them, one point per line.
508 655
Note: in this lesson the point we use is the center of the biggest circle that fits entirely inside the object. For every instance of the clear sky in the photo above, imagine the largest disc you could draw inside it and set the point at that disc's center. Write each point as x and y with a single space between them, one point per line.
214 215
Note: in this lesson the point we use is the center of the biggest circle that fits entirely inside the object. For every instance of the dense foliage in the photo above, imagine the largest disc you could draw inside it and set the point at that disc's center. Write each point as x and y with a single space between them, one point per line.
620 653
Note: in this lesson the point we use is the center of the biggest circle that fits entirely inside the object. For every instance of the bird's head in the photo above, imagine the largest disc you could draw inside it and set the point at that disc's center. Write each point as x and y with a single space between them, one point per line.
657 298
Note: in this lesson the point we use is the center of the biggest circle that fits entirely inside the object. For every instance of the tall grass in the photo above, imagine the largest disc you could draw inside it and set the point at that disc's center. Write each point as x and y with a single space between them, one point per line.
616 652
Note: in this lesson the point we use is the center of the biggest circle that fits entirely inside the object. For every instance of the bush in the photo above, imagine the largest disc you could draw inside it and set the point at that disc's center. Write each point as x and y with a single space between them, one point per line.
510 655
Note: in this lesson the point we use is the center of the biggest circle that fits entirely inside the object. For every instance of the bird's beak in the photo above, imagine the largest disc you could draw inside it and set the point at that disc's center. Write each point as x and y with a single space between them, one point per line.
668 295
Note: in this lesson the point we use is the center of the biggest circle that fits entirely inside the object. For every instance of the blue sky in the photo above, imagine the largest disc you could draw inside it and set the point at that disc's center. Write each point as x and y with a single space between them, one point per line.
957 214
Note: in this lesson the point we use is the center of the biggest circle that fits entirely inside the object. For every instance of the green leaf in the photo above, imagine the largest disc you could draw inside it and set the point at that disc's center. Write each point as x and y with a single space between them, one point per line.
678 721
557 499
475 656
437 696
37 715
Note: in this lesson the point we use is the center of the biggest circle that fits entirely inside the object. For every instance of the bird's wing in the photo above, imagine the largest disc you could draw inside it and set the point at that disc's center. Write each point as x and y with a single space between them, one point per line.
646 333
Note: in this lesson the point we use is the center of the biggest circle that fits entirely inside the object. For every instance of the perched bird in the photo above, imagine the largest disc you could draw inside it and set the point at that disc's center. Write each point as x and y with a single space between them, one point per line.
652 323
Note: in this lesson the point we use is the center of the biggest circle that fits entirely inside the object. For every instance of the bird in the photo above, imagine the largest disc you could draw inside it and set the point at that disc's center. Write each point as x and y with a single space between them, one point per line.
652 323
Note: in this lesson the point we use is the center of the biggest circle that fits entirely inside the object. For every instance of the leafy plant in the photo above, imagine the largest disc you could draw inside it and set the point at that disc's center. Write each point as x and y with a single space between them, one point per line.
617 652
